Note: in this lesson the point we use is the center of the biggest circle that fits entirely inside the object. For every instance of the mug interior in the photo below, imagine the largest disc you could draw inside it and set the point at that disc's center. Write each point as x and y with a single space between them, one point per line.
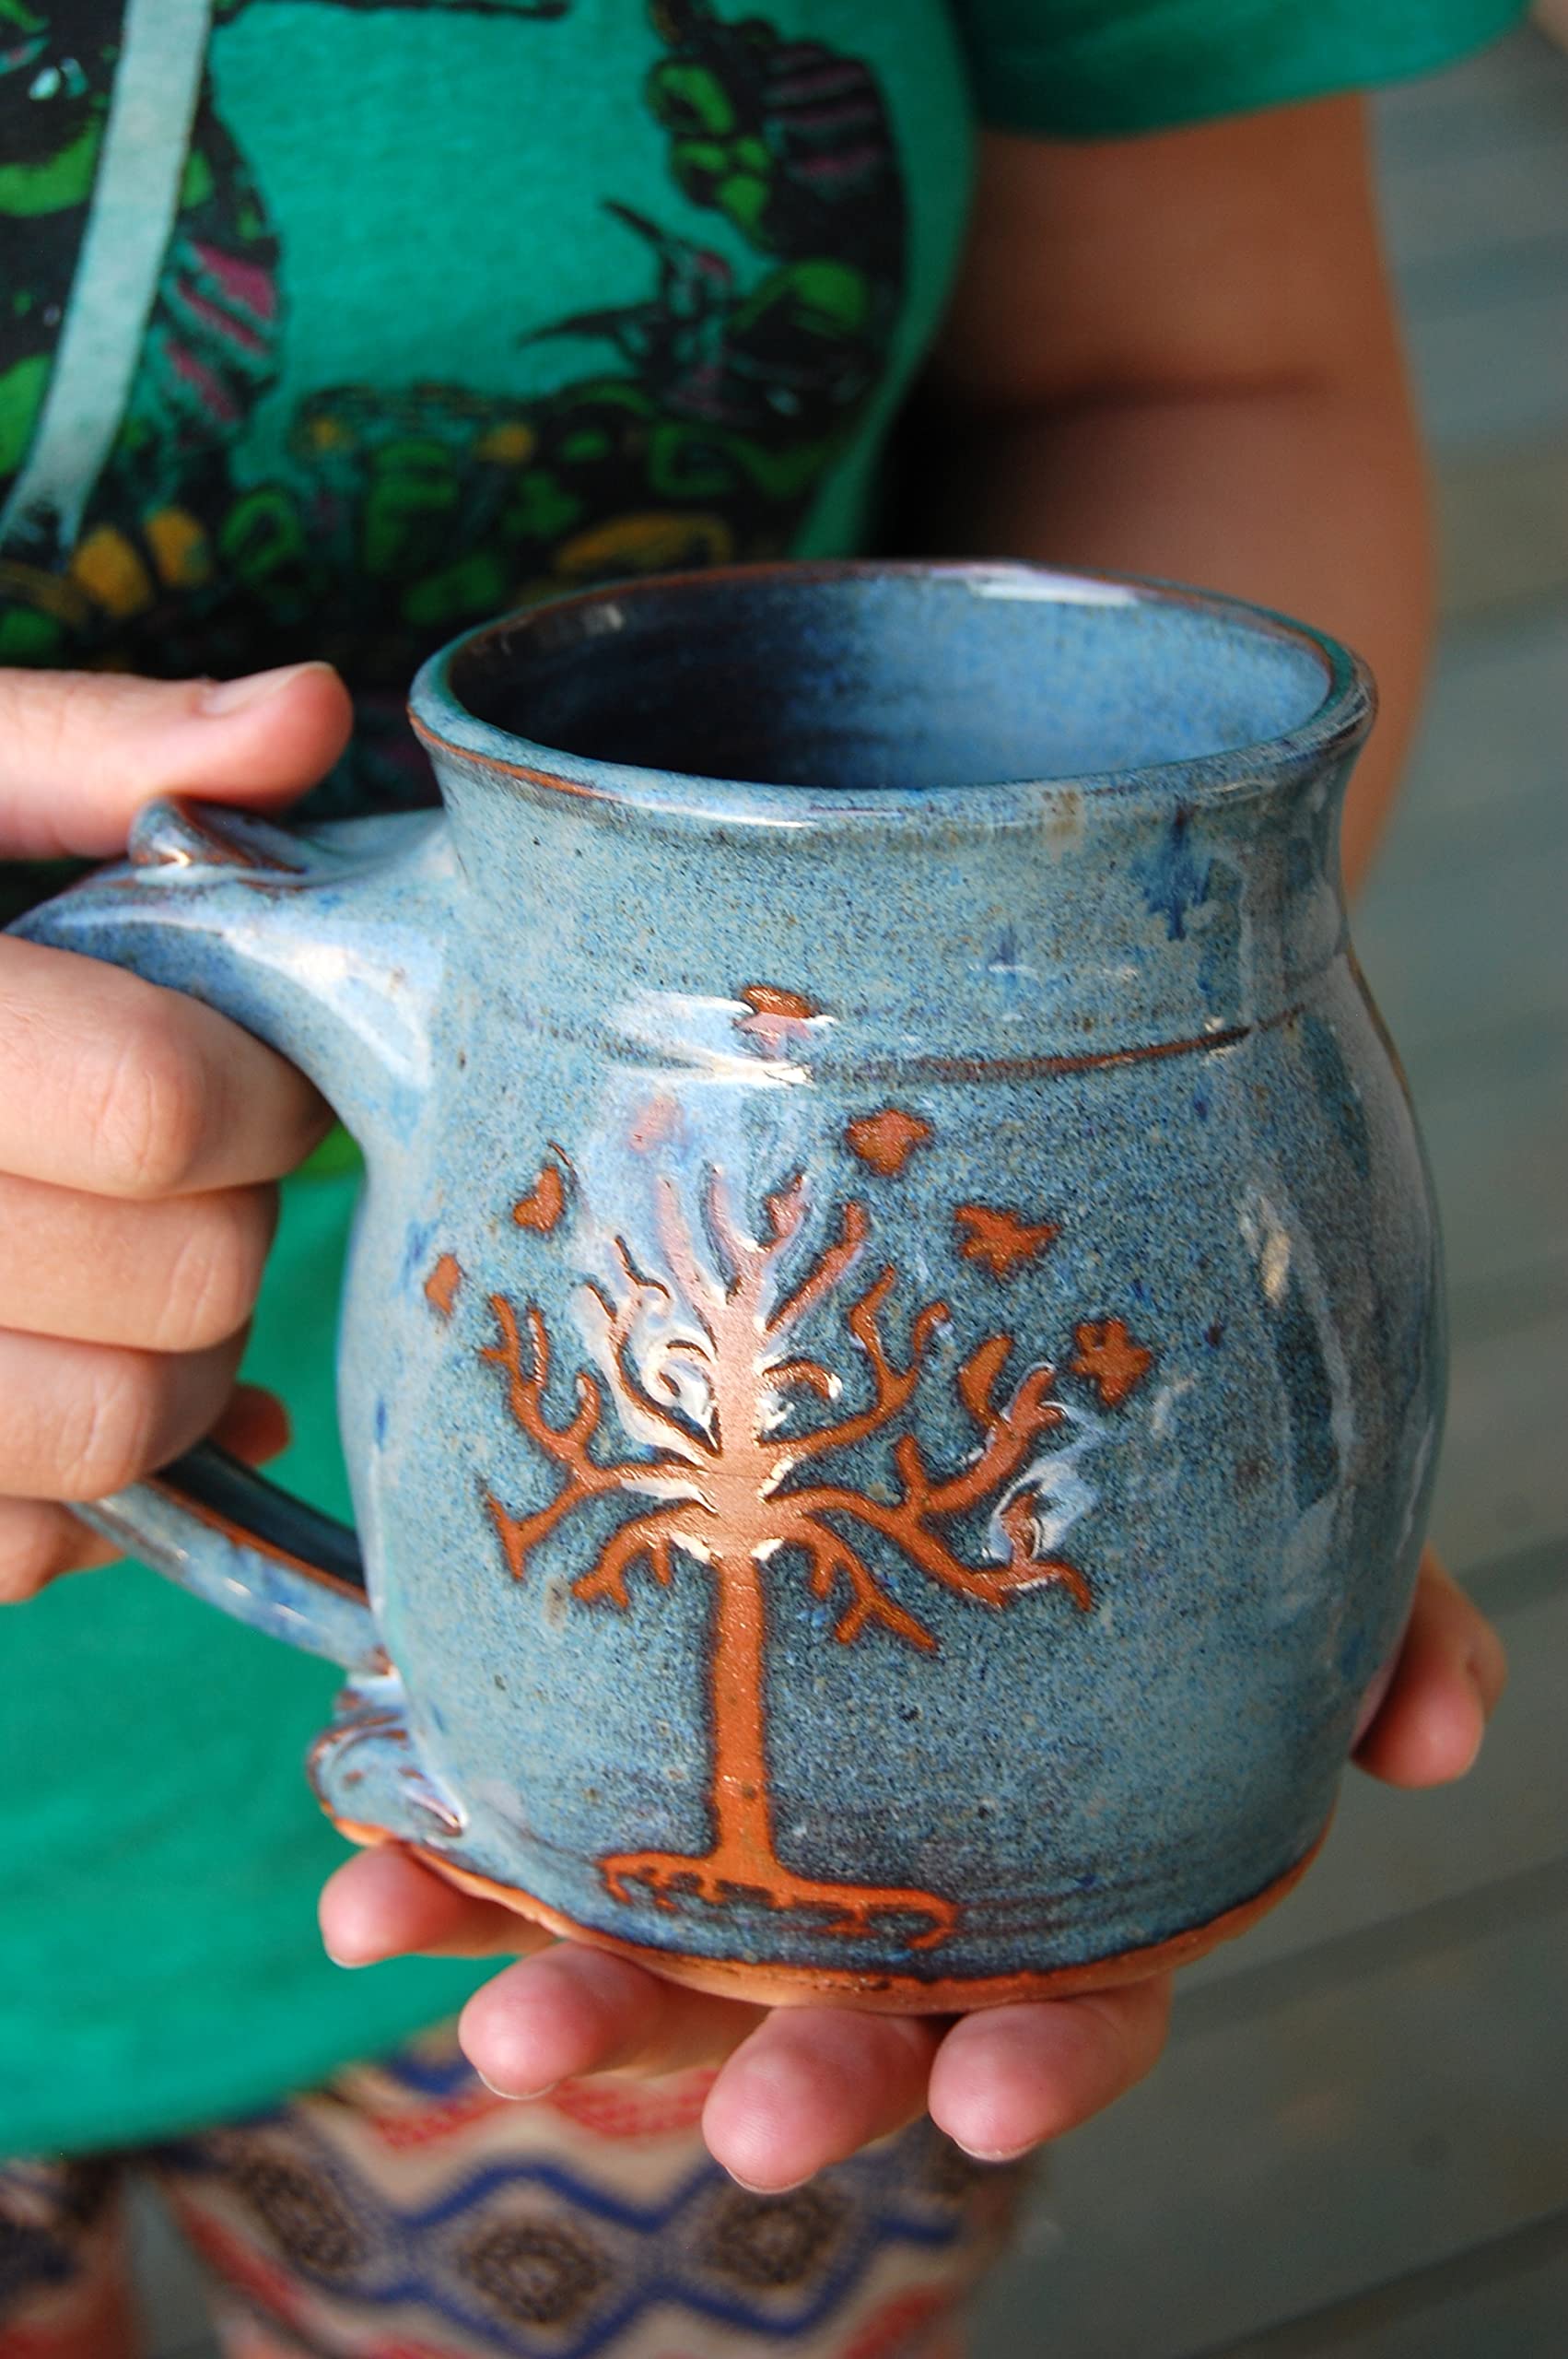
857 678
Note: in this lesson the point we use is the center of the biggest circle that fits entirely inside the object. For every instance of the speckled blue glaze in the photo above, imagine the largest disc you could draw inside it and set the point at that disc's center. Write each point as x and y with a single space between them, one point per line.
1019 971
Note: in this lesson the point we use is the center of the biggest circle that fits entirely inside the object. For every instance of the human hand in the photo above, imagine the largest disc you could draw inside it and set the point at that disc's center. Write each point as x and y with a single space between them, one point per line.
801 2087
138 1130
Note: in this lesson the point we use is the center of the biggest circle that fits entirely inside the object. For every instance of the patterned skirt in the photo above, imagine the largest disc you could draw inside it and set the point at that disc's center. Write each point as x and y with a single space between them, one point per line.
402 2212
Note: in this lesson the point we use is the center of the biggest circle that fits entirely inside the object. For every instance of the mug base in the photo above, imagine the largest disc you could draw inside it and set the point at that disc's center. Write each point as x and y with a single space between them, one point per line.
775 1985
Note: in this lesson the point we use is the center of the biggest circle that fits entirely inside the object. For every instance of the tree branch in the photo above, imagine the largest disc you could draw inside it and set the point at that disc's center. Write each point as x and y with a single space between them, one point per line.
833 1559
737 1249
809 1374
900 1524
620 1326
567 1445
705 1298
854 1228
1010 1434
892 1387
786 1209
654 1537
525 1393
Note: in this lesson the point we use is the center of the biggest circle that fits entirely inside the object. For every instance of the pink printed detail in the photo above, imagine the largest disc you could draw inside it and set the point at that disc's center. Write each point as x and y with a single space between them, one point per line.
822 82
832 117
245 283
222 324
889 2334
823 169
626 2109
237 2264
405 2132
207 387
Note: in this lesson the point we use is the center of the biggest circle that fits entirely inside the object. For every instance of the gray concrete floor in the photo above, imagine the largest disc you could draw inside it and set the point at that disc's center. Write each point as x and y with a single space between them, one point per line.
1358 2143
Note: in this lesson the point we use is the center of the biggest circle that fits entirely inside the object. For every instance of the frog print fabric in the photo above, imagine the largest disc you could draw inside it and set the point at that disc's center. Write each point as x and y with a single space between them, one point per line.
329 328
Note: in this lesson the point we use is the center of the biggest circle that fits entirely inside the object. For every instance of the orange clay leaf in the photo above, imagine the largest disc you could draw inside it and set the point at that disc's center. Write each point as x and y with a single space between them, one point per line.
886 1139
1000 1241
443 1285
542 1208
1109 1358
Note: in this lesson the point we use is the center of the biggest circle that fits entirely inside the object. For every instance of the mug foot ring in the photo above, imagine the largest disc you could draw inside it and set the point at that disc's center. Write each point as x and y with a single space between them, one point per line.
799 1986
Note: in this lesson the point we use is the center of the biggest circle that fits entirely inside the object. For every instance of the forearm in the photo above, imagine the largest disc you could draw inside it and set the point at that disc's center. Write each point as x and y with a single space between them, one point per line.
1307 497
1177 355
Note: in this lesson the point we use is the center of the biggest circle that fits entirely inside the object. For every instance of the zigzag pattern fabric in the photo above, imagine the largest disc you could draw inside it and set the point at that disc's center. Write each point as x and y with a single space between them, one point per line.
405 2213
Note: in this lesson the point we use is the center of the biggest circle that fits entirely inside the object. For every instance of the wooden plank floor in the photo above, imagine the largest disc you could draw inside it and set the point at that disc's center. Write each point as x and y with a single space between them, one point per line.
1358 2145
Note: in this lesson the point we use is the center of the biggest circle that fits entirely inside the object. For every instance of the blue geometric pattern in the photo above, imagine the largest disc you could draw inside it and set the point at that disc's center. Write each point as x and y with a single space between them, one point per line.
533 2260
403 2208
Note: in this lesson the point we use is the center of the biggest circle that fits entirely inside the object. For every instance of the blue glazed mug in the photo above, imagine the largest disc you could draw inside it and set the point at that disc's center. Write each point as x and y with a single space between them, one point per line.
891 1367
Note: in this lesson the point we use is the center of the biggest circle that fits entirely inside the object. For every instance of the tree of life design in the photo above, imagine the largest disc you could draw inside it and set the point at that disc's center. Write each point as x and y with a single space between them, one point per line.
703 1374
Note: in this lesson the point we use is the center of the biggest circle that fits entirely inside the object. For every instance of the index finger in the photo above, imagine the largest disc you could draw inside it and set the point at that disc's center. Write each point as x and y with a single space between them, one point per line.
120 1087
383 1903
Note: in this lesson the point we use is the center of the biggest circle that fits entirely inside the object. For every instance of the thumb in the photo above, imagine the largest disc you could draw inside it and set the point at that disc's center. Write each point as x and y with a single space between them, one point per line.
81 751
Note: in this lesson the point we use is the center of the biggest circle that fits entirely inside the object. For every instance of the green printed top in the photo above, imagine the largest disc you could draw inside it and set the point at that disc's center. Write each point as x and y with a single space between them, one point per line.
326 328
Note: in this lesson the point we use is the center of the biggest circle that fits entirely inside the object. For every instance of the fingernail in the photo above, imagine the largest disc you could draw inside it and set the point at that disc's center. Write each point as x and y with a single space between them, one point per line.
519 2096
787 2189
1000 2153
219 699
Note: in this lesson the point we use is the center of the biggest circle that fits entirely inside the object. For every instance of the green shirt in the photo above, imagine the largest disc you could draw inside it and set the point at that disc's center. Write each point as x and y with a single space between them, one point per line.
327 328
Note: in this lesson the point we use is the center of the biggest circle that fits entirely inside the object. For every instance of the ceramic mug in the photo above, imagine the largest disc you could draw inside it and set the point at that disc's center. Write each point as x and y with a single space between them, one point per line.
891 1367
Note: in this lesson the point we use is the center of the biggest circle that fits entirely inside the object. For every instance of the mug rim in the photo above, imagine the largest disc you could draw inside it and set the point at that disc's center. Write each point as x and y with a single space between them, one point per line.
1329 734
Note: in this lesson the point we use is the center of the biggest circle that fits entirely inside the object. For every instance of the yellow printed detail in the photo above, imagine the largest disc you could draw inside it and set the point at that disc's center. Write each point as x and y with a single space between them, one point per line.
645 543
112 573
179 548
507 445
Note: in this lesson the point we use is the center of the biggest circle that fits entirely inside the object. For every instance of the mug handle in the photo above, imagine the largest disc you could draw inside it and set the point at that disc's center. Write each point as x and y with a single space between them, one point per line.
327 947
225 1533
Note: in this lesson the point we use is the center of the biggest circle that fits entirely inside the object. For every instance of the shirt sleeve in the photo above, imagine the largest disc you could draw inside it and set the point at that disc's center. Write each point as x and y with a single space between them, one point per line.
1097 69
